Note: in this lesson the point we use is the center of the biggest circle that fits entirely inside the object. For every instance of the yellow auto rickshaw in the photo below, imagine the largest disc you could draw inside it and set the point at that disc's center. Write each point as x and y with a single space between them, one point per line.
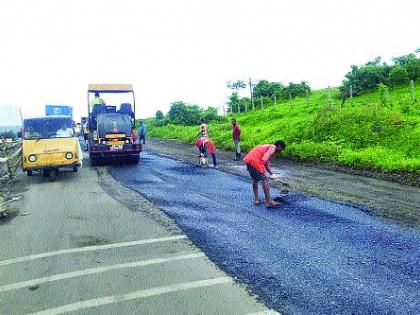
49 143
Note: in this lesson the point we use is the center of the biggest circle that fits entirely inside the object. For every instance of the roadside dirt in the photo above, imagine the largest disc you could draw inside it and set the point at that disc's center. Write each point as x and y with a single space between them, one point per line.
392 201
11 193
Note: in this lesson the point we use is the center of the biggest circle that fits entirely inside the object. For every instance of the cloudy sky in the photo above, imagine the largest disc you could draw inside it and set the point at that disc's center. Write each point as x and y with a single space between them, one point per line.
188 49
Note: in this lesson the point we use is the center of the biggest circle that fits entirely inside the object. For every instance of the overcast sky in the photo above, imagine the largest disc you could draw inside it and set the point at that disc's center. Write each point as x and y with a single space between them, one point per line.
188 49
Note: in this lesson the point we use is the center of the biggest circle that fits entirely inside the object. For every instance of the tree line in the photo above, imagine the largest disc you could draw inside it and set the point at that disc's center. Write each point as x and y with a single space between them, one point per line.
181 113
262 91
367 77
373 75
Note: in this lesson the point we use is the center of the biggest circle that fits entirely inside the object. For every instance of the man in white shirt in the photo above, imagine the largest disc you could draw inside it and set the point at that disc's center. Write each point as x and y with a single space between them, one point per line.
64 132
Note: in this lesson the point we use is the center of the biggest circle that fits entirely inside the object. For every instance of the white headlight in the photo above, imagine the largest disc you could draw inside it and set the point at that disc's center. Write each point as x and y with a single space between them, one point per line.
127 141
69 155
32 158
104 142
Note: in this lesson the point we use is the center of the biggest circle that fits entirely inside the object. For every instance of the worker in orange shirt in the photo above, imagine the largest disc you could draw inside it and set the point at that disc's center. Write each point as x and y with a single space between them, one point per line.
258 163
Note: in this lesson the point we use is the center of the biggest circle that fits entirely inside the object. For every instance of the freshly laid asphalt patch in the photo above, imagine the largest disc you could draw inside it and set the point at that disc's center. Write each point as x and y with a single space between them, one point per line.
311 256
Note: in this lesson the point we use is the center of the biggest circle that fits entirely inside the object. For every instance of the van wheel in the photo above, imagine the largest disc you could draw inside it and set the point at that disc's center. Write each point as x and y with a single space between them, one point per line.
74 169
46 173
93 161
29 173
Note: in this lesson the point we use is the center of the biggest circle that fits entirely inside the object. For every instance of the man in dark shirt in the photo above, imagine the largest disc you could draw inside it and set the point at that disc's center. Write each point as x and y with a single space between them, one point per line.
143 132
236 134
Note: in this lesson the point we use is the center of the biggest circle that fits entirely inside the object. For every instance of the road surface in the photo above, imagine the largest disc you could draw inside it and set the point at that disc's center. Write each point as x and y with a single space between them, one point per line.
399 203
83 244
312 256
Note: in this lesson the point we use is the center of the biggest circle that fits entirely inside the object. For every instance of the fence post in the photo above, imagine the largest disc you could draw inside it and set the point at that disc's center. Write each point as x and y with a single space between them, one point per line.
412 91
329 95
307 97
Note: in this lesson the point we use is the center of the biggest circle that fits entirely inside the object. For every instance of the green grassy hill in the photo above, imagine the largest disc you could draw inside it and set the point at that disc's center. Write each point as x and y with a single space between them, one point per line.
374 131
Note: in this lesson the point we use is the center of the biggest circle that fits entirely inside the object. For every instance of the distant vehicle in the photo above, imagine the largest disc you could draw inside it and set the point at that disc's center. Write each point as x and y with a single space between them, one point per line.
109 126
84 127
59 110
49 143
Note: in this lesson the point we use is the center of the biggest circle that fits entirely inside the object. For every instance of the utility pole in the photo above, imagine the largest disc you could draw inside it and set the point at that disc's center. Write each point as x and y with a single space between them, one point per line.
351 93
261 100
252 95
275 99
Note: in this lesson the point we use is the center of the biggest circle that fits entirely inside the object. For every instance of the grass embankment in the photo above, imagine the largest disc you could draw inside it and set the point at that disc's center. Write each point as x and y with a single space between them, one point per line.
374 131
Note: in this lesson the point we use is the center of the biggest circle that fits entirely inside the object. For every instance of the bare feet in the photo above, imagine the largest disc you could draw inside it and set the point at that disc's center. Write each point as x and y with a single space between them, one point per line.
273 204
259 201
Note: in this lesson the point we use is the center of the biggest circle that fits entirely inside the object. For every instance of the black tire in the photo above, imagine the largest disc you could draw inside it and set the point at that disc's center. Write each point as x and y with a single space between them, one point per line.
46 173
29 173
93 161
74 169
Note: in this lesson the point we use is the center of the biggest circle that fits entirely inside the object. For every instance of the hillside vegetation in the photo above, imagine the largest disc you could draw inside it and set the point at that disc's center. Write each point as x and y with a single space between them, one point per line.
379 129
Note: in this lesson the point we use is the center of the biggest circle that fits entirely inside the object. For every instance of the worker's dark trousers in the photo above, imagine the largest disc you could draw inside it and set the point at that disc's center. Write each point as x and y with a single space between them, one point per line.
213 156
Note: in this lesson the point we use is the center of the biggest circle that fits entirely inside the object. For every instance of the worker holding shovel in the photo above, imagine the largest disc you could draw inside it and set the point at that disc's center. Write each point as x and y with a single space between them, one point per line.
258 163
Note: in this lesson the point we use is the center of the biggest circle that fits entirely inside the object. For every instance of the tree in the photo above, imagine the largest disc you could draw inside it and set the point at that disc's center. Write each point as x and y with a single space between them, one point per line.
413 69
398 75
8 135
295 89
276 88
375 62
181 113
159 115
262 88
233 102
364 78
236 86
404 60
267 89
178 113
193 115
210 114
367 77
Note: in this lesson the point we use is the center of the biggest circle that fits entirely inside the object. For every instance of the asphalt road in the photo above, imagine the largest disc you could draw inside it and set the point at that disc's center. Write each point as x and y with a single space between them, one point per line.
84 244
312 256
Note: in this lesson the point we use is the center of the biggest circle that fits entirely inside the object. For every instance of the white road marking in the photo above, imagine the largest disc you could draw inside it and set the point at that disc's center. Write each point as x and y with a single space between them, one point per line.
267 312
133 295
90 249
85 272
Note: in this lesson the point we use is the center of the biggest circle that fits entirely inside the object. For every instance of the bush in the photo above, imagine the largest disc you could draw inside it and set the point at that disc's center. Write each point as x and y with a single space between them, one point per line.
398 76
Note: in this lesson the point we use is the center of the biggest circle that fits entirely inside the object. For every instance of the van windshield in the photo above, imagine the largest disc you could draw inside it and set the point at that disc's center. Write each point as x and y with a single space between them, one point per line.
48 128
